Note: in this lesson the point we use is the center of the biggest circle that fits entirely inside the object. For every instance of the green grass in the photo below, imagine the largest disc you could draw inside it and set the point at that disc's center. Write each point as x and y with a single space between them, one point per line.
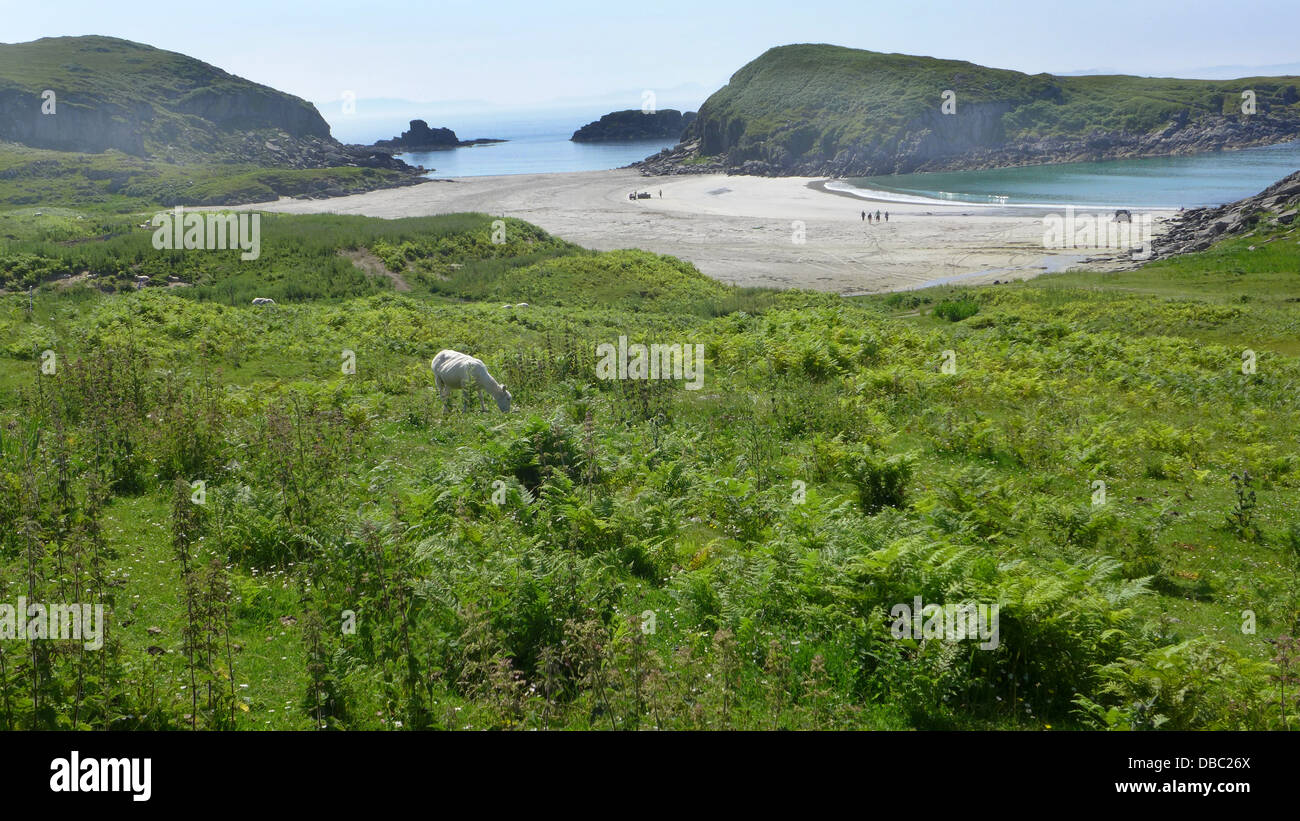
116 183
497 565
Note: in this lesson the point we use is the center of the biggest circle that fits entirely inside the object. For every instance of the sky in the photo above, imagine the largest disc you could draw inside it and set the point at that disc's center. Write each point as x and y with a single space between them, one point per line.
539 53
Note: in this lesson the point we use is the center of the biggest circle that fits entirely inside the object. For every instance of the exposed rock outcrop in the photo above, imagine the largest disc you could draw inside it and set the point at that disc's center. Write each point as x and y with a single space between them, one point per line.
625 126
419 137
1199 228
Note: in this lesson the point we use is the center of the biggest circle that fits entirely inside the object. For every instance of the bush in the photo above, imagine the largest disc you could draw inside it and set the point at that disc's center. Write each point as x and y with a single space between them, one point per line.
956 311
881 481
542 448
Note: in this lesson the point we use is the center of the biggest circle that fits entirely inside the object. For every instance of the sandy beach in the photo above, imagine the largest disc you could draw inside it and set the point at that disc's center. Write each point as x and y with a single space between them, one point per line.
748 230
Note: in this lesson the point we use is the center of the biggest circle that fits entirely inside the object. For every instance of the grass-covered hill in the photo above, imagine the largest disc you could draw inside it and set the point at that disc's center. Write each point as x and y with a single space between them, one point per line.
137 99
823 109
130 123
633 554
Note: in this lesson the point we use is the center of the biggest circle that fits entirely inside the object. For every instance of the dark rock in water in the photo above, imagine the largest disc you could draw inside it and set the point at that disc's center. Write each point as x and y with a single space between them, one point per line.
419 137
625 126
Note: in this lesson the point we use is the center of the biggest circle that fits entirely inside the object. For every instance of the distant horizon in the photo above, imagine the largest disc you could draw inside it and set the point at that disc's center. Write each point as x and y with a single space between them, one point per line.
370 122
578 52
371 113
373 117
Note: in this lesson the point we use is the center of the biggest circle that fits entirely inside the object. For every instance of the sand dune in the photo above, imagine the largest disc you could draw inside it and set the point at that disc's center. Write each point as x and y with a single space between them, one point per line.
746 230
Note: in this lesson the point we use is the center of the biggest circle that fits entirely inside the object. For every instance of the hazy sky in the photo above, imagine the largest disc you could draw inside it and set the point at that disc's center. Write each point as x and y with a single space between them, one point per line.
536 51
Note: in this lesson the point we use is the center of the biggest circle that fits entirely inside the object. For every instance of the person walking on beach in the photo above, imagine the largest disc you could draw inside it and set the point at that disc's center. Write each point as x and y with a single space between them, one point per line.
661 193
864 216
886 216
868 219
877 216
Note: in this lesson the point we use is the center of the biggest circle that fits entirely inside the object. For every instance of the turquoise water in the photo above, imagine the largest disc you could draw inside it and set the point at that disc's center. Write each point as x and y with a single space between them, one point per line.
1157 182
537 145
540 154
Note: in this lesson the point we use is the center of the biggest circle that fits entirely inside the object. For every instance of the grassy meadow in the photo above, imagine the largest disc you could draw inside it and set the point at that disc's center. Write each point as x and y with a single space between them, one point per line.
113 182
1110 458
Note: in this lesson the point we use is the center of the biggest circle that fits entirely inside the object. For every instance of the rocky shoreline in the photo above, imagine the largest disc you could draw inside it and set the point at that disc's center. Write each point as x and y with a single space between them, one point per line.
1179 137
1199 228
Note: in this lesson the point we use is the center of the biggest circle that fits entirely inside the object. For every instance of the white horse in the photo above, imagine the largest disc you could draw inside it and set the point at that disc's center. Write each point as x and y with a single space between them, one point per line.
262 300
456 370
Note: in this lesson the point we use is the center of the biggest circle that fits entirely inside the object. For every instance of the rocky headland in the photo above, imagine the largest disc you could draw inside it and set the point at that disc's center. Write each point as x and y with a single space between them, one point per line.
632 124
420 137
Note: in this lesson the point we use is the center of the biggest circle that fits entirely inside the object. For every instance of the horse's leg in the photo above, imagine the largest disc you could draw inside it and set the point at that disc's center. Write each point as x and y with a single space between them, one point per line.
444 392
472 384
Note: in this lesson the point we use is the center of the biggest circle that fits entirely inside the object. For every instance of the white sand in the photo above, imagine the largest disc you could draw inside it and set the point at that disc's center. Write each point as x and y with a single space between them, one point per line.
743 229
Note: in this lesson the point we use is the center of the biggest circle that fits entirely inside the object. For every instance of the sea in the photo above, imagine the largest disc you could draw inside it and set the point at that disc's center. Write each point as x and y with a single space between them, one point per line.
538 142
1196 180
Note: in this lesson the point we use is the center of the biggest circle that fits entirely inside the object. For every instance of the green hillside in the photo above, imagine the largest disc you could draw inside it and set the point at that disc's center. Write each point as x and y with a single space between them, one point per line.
829 109
634 554
131 125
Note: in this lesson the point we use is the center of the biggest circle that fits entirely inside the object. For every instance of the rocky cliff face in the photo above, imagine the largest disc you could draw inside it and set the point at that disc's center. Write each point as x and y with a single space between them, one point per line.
926 143
975 143
75 126
254 108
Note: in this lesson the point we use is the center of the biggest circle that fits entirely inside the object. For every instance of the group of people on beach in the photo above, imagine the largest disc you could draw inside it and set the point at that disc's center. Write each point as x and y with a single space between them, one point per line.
866 215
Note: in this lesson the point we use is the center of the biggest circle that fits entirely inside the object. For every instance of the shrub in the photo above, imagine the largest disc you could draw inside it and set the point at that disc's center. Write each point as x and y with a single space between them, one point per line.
956 311
542 448
881 481
1198 684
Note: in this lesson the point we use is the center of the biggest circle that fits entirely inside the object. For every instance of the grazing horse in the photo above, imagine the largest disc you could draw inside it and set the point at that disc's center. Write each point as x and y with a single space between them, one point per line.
453 369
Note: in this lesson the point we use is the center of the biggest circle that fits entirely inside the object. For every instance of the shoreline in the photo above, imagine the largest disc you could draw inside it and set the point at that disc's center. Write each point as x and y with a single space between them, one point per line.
1005 209
749 231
